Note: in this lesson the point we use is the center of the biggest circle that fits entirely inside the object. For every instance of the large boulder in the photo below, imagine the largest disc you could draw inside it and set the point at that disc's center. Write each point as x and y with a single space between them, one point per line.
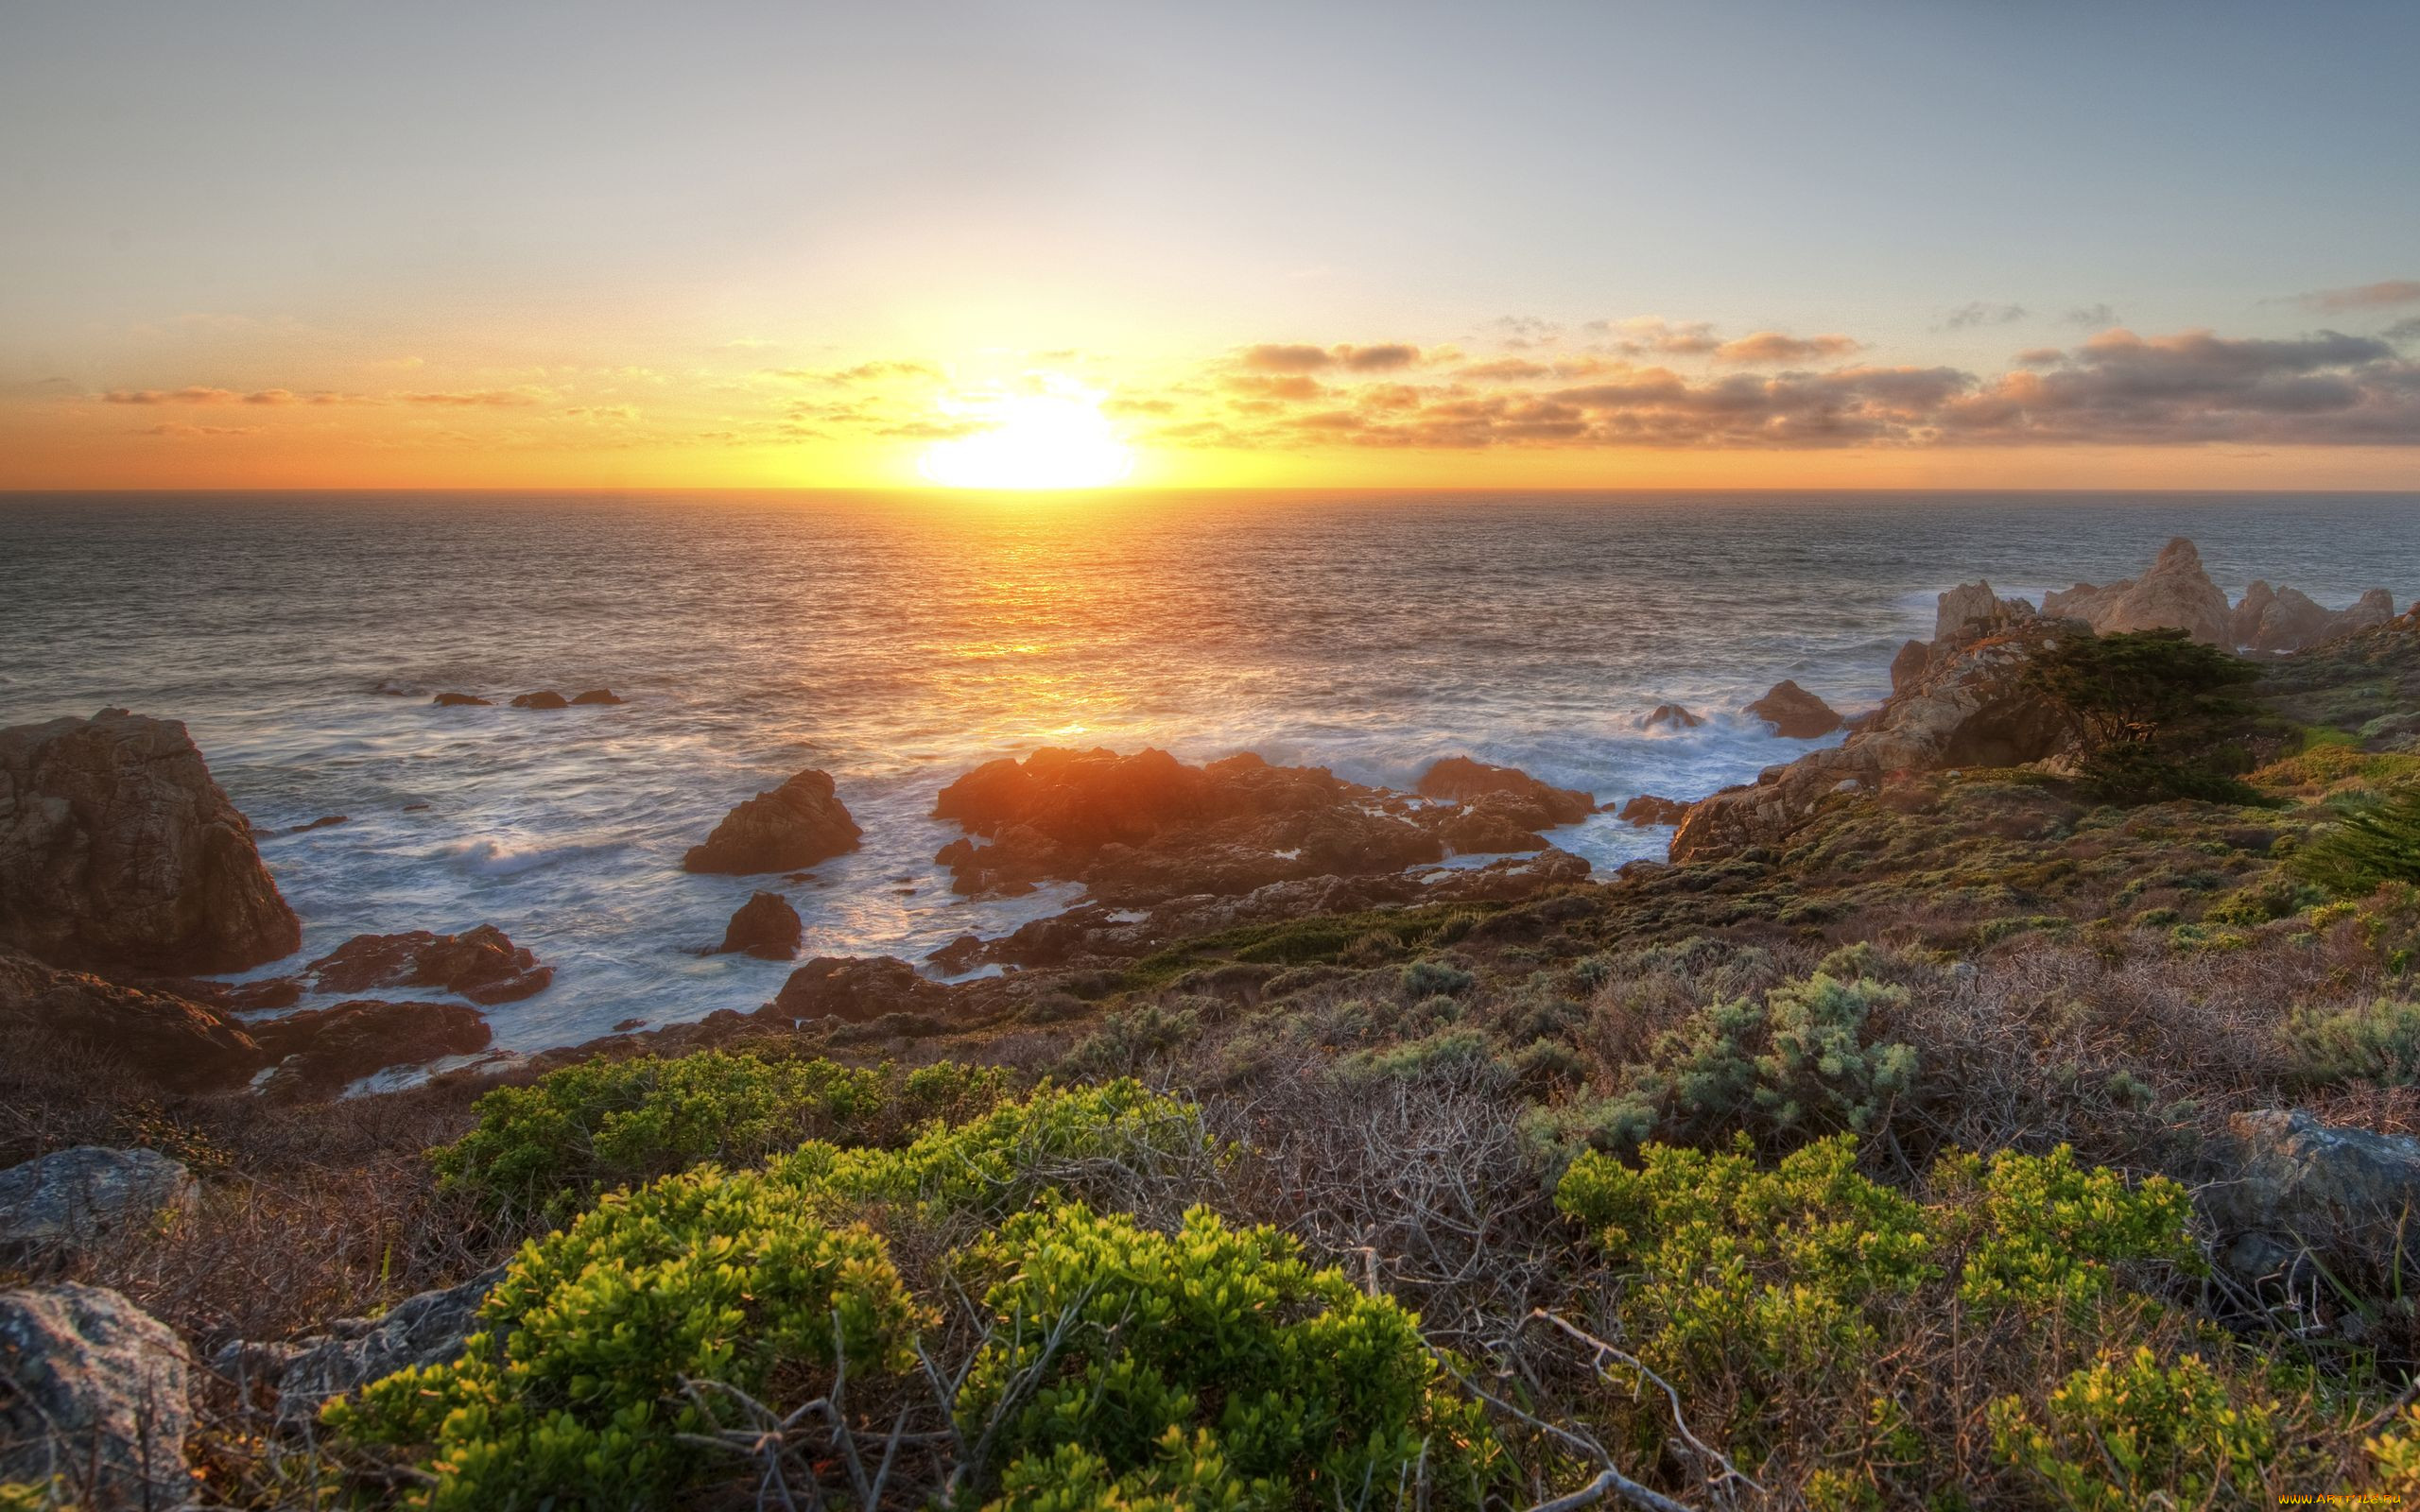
1971 708
1647 810
118 851
765 926
2296 1184
181 1045
1794 713
1141 829
480 964
427 1329
99 1396
854 989
1462 779
2175 595
319 1051
2277 620
74 1201
796 825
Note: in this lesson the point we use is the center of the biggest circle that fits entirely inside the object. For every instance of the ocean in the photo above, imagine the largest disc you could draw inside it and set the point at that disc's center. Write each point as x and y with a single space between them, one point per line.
898 640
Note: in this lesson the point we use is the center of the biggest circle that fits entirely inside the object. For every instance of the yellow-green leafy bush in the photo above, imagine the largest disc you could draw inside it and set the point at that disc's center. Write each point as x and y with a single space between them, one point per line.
1208 1367
2131 1433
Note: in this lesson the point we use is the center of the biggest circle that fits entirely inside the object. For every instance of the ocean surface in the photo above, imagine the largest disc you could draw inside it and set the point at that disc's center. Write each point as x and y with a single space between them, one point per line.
898 640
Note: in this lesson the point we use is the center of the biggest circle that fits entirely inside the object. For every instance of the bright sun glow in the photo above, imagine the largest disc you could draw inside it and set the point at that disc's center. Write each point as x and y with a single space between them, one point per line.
1057 439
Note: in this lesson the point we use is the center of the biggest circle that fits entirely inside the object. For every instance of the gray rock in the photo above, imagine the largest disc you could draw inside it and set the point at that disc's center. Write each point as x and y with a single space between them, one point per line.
2310 1185
97 1396
72 1201
424 1330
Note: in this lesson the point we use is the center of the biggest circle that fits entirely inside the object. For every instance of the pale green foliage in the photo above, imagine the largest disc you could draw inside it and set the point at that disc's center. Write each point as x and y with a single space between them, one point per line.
2377 1042
1129 1039
2129 1432
1210 1366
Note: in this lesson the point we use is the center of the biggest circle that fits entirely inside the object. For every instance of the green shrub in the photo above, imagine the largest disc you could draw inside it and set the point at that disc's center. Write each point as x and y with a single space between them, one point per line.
1451 1051
1210 1361
2131 1433
1426 979
549 1147
1132 1038
2378 1041
1801 1061
2366 848
2046 1231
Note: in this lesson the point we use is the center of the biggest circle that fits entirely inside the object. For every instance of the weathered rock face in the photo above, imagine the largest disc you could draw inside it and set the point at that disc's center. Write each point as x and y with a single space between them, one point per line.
424 1330
1670 715
1910 664
1969 709
318 1051
855 988
2175 595
118 851
480 964
1143 828
73 1202
1647 810
2299 1183
1462 779
792 827
101 1397
182 1045
765 926
1794 713
2284 619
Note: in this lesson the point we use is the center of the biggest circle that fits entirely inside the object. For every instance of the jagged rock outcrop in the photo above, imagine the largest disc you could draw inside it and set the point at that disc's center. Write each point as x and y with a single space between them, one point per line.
1670 716
1464 781
2276 620
1972 610
1143 828
118 851
1646 810
1970 708
73 1201
181 1045
1794 713
794 826
1910 663
2175 595
2295 1182
765 926
317 1051
854 989
480 964
99 1396
426 1328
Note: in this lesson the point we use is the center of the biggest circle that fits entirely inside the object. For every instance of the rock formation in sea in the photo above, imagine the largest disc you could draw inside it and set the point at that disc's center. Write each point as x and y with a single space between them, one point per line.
1463 779
481 964
547 698
2176 593
317 1051
1671 716
1647 810
1910 663
765 926
118 851
2276 620
460 700
854 989
1972 610
595 696
794 826
1971 708
1794 713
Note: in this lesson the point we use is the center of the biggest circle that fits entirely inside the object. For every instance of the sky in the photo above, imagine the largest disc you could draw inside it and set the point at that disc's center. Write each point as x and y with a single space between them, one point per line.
1956 245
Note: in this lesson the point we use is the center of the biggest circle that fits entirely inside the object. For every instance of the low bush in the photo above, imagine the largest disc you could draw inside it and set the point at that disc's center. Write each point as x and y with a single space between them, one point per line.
2129 1432
2378 1041
1802 1062
1127 1041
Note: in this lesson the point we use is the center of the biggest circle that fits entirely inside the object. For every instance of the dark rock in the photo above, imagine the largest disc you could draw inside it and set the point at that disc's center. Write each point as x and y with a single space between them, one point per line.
1794 713
765 926
325 821
547 699
72 1202
626 1026
181 1045
118 851
1462 779
227 997
1670 715
460 700
798 824
1646 810
320 1051
855 988
98 1396
2303 1184
1910 664
480 964
427 1329
959 956
595 696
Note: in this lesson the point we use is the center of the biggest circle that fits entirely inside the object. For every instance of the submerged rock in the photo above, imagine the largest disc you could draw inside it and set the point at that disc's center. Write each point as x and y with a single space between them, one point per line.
765 926
181 1045
72 1202
98 1396
596 697
2175 595
118 851
460 700
799 824
320 1051
480 964
550 699
1671 716
1794 713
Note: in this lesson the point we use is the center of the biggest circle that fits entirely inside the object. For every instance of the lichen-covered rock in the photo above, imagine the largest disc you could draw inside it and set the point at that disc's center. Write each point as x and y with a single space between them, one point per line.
118 851
99 1396
181 1045
1794 713
74 1201
2295 1182
2175 595
796 825
765 926
422 1330
319 1051
480 964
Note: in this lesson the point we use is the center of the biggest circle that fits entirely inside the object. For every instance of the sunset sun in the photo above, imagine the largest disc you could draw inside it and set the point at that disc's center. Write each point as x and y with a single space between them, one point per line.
1057 439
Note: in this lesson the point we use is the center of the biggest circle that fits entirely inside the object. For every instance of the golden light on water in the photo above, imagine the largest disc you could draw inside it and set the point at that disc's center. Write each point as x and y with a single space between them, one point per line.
1054 438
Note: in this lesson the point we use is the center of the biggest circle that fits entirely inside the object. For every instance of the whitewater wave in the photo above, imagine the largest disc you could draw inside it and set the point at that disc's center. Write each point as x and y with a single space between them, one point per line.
501 858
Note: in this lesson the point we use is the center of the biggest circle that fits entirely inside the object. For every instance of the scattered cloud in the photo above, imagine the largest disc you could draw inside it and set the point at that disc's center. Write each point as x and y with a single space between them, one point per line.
1652 335
2091 317
864 373
1975 311
1763 348
481 398
2380 296
171 396
197 432
1300 358
2406 329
